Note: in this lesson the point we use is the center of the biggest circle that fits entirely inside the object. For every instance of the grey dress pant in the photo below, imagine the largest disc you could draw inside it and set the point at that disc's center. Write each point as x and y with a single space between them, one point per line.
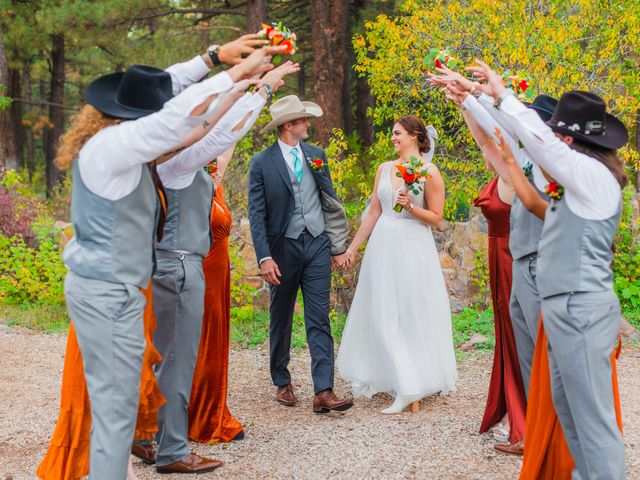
524 309
178 305
108 321
582 329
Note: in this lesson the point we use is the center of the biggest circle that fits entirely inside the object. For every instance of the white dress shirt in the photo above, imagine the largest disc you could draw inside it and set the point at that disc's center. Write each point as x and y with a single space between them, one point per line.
288 156
591 190
111 161
488 121
180 171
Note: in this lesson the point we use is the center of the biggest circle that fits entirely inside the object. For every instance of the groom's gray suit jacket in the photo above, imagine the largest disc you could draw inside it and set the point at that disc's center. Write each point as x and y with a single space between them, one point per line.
271 200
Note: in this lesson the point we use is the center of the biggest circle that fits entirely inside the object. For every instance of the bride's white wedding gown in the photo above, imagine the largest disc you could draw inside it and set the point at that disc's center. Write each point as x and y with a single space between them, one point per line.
398 336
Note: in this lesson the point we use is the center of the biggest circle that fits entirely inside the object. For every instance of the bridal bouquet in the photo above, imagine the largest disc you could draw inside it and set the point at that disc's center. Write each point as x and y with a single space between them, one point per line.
278 34
439 58
414 173
520 86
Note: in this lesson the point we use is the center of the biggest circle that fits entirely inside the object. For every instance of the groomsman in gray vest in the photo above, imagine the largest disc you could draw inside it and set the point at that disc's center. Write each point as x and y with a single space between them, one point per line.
299 230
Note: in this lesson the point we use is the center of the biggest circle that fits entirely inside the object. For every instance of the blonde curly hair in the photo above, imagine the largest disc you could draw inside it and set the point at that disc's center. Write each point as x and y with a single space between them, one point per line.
84 125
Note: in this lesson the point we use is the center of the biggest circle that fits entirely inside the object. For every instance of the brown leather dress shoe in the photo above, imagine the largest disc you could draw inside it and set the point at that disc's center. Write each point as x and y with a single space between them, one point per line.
145 452
326 401
285 395
515 448
192 464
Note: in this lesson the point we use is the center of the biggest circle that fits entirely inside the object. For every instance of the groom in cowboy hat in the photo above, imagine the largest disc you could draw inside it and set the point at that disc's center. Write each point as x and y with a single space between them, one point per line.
299 230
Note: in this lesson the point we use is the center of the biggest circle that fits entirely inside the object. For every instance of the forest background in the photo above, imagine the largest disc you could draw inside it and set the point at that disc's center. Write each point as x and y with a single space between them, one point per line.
363 61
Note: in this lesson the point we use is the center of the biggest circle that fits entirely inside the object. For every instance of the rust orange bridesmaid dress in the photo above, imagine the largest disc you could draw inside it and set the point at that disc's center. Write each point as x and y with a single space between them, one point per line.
506 389
546 454
209 417
68 455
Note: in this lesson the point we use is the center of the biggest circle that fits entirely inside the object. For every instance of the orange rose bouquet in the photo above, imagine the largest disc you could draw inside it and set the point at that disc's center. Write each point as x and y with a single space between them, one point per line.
414 173
279 35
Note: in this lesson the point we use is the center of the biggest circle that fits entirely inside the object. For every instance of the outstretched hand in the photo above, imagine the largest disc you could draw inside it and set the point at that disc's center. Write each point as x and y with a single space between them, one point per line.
236 50
450 77
505 149
493 86
275 78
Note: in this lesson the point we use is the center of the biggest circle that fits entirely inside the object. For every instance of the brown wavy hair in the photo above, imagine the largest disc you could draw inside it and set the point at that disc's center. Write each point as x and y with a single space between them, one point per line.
84 125
415 126
607 156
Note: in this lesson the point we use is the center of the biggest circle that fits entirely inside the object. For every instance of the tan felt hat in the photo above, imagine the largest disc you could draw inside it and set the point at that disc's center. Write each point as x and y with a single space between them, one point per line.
291 108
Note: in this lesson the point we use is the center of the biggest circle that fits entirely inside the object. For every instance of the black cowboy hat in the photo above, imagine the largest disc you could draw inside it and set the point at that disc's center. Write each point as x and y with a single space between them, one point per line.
544 105
583 116
138 92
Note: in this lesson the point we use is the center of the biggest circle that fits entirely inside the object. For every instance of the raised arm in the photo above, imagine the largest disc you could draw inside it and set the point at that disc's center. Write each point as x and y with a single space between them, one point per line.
522 186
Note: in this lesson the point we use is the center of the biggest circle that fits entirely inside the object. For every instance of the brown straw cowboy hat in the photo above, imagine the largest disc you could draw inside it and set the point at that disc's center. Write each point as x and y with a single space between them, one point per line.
291 108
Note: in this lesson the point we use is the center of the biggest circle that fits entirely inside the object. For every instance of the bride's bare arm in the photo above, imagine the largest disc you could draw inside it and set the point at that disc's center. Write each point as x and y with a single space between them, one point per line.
434 200
370 219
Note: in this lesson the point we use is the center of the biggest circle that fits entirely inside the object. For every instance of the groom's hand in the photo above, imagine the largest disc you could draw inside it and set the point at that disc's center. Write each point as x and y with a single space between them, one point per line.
270 272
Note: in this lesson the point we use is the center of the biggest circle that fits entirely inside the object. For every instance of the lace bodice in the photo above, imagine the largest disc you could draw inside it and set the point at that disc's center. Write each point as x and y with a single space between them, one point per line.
387 193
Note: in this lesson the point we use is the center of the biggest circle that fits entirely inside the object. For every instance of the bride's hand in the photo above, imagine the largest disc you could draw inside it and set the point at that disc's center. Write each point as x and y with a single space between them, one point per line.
403 198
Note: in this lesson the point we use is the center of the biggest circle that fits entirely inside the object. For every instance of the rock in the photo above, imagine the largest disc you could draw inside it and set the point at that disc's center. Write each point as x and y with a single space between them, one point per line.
261 299
446 262
628 331
476 339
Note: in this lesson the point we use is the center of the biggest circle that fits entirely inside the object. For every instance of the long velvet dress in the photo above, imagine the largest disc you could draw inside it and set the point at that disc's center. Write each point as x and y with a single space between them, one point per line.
68 455
506 388
546 454
209 417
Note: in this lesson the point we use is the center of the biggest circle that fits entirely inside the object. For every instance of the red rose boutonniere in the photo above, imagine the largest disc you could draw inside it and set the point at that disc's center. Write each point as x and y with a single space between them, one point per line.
555 192
317 164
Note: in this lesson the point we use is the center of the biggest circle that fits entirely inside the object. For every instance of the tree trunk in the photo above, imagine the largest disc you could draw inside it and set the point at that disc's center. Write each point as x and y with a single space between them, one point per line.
256 15
329 37
302 83
8 141
56 111
17 108
30 153
638 147
364 100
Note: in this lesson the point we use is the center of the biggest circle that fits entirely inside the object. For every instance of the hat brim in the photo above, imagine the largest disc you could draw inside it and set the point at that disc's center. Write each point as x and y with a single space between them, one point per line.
102 94
543 113
615 136
310 110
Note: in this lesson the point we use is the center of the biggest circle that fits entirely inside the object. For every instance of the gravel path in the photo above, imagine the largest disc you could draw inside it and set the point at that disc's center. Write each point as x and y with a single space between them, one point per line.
441 441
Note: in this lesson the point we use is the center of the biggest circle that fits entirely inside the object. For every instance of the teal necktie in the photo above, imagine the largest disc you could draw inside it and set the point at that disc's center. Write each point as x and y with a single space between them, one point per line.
297 164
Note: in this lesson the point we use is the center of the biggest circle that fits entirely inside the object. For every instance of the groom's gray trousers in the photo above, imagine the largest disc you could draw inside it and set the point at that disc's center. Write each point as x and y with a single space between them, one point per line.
107 317
178 304
305 264
524 310
582 329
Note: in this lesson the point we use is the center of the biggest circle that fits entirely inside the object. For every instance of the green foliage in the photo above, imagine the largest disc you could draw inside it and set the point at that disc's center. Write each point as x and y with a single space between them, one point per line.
5 102
31 275
626 262
479 279
470 321
40 318
557 45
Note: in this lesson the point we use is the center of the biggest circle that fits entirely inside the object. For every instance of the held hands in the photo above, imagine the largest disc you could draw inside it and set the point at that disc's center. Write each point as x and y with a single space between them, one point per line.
343 261
270 272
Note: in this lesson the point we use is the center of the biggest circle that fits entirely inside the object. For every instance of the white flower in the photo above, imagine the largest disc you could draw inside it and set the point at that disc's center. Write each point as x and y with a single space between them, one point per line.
575 127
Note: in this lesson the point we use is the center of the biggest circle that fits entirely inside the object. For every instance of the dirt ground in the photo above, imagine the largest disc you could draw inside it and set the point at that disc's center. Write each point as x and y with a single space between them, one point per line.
439 442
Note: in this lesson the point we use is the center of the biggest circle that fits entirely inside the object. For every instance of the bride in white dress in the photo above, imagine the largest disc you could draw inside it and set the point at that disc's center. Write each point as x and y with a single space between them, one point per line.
398 336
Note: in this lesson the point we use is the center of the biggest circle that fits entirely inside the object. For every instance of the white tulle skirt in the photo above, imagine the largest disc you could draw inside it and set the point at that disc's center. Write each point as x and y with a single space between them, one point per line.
398 336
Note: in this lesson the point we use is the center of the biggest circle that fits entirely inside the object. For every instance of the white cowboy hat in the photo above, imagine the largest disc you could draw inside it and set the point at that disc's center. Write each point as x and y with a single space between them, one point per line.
291 108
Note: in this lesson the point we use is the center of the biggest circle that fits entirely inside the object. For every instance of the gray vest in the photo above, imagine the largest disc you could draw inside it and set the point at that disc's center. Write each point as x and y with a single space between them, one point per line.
187 224
575 254
113 239
308 208
526 228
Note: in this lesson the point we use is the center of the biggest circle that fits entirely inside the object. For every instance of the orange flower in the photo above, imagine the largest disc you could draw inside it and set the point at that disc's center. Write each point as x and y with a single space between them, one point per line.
289 46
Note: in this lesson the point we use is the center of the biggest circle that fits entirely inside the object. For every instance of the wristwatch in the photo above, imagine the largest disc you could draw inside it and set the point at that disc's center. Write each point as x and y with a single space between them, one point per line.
269 91
498 101
213 54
